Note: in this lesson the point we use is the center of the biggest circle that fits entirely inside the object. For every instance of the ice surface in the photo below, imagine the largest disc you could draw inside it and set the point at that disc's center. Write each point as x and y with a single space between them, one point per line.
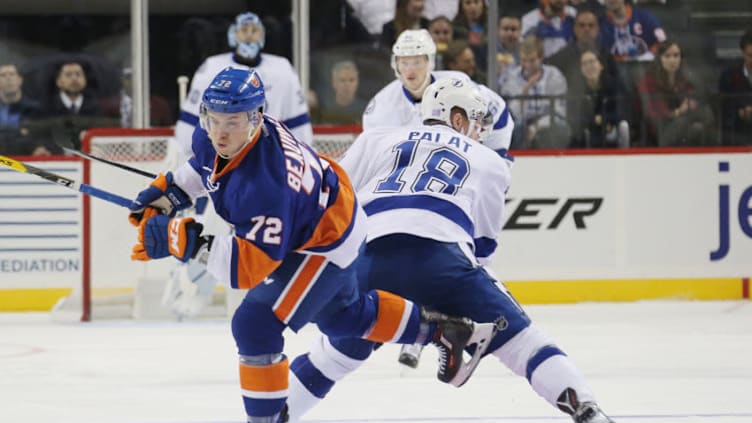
665 362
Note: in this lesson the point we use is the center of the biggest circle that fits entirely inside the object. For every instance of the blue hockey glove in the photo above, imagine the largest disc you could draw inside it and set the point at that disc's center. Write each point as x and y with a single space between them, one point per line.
161 194
160 236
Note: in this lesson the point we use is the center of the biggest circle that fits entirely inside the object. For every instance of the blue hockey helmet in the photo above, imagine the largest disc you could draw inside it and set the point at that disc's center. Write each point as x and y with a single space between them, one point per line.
231 91
234 90
250 48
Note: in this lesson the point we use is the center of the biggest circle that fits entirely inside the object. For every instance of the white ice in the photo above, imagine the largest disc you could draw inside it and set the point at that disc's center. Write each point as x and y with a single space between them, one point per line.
665 362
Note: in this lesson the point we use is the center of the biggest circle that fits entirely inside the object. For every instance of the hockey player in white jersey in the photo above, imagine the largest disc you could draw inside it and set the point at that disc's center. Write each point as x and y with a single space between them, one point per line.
434 199
398 103
285 99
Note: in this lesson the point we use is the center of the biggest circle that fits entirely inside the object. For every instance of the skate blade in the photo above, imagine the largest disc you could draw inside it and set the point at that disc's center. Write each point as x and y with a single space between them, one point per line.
482 336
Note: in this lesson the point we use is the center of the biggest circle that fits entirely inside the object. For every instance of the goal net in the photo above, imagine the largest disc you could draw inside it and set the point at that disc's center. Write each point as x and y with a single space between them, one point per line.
117 287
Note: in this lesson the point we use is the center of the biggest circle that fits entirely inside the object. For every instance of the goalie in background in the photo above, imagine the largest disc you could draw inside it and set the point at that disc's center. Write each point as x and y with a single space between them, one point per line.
247 36
297 236
435 197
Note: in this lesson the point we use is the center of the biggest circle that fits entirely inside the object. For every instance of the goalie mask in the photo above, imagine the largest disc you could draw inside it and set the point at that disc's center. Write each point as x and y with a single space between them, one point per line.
447 93
247 35
415 44
233 91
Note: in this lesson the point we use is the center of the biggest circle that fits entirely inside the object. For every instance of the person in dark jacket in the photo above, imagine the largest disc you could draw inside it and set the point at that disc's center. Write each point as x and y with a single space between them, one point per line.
735 85
15 110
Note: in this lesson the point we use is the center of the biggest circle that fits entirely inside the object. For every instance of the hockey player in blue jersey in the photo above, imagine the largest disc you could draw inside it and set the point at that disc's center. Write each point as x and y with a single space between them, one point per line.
434 197
298 232
286 102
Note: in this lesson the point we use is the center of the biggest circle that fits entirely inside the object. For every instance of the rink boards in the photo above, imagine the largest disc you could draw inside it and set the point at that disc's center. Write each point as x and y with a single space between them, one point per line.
578 227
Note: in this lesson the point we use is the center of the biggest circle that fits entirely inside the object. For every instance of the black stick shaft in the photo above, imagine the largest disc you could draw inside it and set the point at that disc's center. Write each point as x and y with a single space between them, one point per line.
111 163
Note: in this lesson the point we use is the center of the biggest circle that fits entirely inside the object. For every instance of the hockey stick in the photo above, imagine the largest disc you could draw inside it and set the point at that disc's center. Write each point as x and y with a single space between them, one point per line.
66 182
116 164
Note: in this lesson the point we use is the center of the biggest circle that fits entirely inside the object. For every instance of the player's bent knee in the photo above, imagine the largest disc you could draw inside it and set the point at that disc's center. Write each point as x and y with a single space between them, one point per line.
256 330
510 324
351 321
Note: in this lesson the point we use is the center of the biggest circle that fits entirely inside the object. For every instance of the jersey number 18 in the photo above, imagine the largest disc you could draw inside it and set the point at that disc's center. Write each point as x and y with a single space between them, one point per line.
444 170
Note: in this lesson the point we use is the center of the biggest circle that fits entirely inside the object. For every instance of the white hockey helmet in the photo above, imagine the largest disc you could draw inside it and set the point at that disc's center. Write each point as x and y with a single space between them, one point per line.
414 42
447 93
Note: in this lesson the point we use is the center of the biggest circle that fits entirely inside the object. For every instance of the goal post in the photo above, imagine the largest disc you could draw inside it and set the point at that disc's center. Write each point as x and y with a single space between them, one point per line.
113 286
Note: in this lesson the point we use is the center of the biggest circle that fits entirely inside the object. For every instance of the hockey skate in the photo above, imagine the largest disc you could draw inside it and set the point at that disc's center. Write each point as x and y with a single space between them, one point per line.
581 412
452 336
410 355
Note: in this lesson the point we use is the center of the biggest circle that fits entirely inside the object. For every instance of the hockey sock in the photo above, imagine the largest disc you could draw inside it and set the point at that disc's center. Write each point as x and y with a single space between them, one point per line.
380 317
397 320
313 374
264 386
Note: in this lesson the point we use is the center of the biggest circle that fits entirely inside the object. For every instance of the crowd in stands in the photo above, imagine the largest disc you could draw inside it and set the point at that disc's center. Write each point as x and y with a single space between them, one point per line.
580 73
575 73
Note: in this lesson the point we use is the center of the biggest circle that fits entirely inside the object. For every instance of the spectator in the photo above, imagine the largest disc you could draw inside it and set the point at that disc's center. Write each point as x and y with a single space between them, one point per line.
674 110
71 96
630 33
15 108
735 85
70 109
120 106
408 14
342 106
586 37
442 33
596 115
470 24
552 22
460 57
373 13
508 53
534 93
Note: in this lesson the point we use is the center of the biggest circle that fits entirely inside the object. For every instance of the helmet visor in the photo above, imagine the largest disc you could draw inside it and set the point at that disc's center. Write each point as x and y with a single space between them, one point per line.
231 123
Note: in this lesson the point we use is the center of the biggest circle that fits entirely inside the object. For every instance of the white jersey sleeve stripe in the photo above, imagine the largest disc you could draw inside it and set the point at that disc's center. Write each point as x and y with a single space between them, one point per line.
188 118
441 207
503 119
296 121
